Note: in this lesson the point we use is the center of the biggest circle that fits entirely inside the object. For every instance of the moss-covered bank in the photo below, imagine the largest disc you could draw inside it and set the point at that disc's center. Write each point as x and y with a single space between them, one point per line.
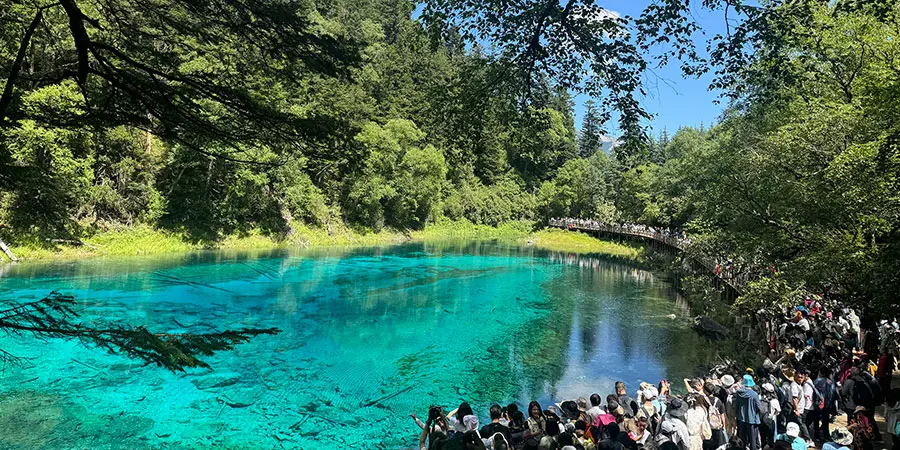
146 240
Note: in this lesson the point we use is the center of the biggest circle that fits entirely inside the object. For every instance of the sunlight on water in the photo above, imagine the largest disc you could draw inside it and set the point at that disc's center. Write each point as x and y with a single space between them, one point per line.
369 336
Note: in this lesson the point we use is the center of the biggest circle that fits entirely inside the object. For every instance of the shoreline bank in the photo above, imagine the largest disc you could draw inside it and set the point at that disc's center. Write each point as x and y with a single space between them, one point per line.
143 240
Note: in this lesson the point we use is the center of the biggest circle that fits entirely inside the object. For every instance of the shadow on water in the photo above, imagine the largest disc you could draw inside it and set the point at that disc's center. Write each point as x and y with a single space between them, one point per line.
370 335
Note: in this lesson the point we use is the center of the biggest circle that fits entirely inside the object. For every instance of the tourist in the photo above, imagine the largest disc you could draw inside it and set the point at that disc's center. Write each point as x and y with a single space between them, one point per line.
583 437
518 427
457 416
769 412
861 390
824 385
892 417
499 442
697 421
536 421
792 436
489 430
673 427
612 442
886 367
716 415
862 429
798 398
595 409
648 409
811 402
583 407
643 437
434 429
471 440
748 411
665 392
625 401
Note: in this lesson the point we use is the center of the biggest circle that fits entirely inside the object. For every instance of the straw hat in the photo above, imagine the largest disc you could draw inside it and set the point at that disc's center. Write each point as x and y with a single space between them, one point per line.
789 373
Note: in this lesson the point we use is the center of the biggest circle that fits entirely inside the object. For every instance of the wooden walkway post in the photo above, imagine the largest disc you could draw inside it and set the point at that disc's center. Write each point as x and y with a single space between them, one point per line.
8 252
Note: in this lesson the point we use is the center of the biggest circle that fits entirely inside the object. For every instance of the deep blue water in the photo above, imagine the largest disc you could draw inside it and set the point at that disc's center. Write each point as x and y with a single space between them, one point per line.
369 337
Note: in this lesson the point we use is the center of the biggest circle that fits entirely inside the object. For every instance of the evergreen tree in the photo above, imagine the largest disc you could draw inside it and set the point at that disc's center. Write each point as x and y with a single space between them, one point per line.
589 139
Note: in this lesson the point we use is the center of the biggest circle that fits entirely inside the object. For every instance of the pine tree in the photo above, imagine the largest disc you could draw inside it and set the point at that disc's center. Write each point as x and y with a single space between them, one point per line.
658 148
589 139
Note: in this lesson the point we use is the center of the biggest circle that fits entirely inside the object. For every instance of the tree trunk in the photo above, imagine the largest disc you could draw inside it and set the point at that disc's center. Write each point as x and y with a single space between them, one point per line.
6 98
8 252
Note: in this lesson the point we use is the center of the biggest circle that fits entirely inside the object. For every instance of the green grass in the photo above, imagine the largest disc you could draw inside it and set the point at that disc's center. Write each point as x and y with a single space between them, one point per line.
570 242
145 240
465 230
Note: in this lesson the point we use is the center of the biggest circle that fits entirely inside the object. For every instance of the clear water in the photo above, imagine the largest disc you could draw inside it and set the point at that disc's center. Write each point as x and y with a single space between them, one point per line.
369 337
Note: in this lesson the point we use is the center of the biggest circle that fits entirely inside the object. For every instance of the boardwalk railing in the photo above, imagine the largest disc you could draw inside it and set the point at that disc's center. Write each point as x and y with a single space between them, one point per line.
735 279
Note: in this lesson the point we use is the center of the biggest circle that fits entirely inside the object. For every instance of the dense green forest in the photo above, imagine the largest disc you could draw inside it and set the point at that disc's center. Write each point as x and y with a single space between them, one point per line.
216 118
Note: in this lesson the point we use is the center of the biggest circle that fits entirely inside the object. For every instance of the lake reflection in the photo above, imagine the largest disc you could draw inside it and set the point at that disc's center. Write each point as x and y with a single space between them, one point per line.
369 336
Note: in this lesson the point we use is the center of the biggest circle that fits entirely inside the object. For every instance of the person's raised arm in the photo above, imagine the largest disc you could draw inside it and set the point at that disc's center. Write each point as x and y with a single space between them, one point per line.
687 385
452 413
422 438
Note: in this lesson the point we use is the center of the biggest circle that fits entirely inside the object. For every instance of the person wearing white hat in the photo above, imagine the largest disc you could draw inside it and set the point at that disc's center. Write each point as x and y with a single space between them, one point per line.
792 436
841 438
727 381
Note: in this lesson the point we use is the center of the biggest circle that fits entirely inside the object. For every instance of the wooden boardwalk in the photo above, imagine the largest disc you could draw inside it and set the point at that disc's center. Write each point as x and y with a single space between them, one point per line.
736 281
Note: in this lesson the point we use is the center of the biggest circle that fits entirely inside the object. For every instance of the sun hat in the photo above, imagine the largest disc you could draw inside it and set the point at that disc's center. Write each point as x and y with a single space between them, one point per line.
676 408
768 387
788 373
859 409
842 436
792 430
570 409
747 380
727 381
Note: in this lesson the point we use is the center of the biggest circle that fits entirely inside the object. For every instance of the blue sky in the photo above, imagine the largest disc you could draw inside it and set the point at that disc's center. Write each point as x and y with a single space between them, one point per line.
675 101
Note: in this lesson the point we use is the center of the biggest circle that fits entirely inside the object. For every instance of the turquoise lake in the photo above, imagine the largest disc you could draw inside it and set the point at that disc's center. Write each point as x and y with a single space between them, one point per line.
369 336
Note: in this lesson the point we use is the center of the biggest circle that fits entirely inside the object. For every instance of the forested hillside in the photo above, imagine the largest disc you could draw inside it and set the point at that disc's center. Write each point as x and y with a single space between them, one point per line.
388 127
215 118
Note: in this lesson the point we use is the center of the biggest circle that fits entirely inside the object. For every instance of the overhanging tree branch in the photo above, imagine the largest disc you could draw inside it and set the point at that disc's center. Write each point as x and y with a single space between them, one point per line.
54 317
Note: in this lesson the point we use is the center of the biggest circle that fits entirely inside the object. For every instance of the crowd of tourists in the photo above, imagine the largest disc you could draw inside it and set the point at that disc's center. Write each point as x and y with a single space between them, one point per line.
634 228
816 368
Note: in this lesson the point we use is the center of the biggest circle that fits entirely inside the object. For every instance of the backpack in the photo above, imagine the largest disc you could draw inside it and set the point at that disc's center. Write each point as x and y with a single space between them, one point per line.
875 387
817 398
785 401
862 392
716 421
826 391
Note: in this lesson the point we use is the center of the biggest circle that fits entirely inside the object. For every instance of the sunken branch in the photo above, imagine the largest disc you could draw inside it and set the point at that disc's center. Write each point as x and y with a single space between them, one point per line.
55 317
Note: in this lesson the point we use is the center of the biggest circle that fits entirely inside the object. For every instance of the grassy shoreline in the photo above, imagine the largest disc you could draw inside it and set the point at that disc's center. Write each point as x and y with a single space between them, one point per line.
142 240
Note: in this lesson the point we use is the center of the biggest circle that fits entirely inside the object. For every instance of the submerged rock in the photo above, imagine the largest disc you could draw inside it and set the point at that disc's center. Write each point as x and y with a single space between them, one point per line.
241 398
710 328
216 380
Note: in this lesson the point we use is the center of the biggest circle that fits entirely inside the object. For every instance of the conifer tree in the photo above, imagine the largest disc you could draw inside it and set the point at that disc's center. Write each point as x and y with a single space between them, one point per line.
589 139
